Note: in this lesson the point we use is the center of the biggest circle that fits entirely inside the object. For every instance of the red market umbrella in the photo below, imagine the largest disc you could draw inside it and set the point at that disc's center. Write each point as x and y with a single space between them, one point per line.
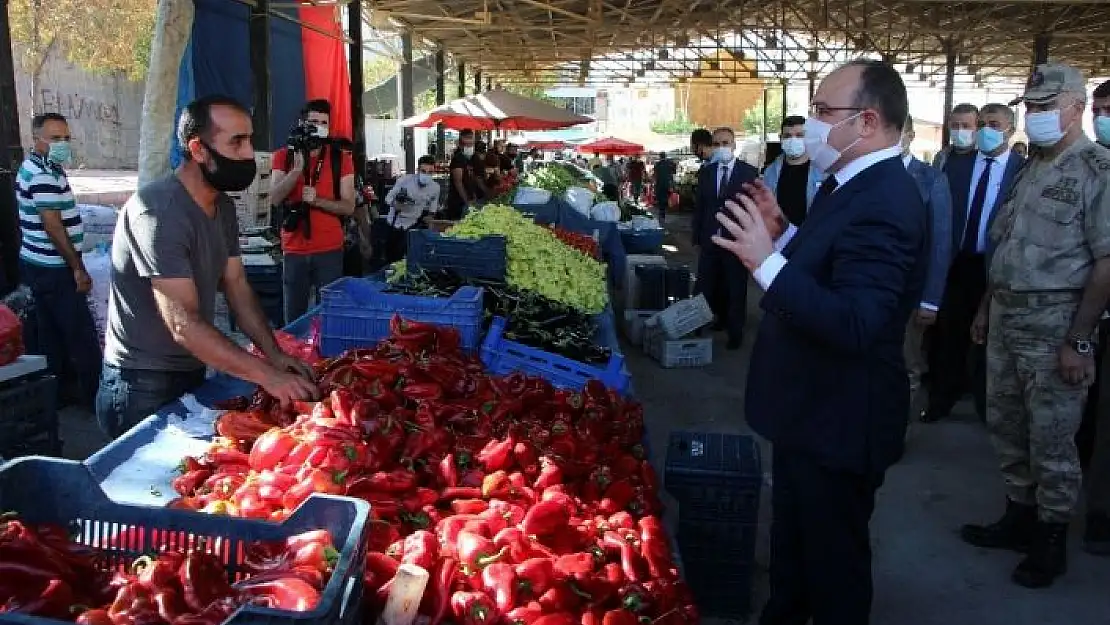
547 145
611 146
497 110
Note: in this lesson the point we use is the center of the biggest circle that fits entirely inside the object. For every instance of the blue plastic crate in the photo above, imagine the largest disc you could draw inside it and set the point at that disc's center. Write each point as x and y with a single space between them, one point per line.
123 533
483 258
716 480
502 356
642 241
356 313
301 326
607 330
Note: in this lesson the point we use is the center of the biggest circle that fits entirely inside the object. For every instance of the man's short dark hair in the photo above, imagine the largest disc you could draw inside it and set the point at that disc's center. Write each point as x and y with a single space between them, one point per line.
40 120
881 89
426 160
316 106
793 120
963 108
196 118
701 137
995 107
1102 91
724 129
466 132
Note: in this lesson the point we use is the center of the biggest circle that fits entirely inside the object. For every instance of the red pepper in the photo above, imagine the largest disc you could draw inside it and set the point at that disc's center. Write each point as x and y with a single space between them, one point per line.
448 471
289 593
559 618
395 481
379 569
574 564
499 579
560 598
473 608
545 517
617 497
636 598
94 617
524 615
536 575
133 604
270 449
421 549
656 549
160 572
444 585
632 564
502 514
497 454
426 392
215 614
550 475
476 551
520 547
52 600
460 492
620 617
469 506
496 485
592 616
187 483
169 604
526 457
204 580
622 520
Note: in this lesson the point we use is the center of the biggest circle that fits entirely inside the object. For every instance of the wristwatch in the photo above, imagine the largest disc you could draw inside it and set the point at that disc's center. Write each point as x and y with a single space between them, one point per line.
1082 346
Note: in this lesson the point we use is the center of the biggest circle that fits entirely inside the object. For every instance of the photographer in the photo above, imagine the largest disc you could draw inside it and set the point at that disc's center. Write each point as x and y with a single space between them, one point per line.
413 197
314 184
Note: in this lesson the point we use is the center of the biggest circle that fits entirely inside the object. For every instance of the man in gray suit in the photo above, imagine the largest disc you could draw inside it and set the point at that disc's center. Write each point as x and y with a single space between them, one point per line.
933 186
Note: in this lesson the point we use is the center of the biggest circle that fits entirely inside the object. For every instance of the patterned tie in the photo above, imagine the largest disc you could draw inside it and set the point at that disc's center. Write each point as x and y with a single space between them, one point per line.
722 183
975 217
825 190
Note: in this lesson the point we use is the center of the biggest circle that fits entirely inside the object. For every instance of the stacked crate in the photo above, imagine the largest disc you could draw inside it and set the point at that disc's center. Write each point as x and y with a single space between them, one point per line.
668 336
28 410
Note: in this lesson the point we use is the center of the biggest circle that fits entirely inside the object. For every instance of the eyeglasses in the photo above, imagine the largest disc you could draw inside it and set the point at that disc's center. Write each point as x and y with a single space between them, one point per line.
820 109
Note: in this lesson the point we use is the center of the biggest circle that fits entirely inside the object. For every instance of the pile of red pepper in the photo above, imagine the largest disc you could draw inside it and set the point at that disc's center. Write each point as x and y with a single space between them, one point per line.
582 242
45 573
527 504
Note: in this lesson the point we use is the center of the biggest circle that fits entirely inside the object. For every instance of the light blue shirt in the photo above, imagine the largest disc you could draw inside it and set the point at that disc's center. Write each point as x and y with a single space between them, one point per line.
994 185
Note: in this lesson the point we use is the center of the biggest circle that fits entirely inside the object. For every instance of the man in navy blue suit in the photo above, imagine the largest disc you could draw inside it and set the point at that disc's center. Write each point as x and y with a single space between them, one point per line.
721 277
827 383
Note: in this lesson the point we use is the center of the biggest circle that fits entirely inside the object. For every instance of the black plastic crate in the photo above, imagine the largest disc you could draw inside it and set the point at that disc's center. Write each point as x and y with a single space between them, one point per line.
29 417
714 476
662 286
719 562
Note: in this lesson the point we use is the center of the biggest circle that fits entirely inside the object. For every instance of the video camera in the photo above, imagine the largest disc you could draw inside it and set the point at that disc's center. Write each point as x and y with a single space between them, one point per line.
302 137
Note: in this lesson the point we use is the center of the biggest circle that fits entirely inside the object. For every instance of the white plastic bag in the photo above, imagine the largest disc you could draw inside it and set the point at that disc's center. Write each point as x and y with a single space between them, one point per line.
99 265
580 199
644 223
99 223
532 195
606 211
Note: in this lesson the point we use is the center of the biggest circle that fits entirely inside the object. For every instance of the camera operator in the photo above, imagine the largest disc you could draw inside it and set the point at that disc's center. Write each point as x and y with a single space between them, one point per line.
314 183
413 197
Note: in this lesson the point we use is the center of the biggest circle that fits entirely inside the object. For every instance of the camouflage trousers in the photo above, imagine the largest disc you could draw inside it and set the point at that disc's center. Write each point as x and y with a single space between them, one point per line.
1032 414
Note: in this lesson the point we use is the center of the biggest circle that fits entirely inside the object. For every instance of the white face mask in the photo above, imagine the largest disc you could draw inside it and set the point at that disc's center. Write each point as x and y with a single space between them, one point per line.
962 137
423 179
322 131
722 155
1043 128
823 155
468 152
793 147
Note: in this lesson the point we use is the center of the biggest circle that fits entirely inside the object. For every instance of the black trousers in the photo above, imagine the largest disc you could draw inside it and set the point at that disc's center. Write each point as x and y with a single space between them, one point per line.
950 344
820 543
723 279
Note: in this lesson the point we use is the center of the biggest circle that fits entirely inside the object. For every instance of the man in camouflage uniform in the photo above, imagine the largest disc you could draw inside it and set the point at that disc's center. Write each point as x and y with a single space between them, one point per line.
1049 278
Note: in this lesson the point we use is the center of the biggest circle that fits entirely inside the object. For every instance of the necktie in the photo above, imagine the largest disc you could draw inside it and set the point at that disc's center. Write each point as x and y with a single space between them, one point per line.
975 216
722 183
827 187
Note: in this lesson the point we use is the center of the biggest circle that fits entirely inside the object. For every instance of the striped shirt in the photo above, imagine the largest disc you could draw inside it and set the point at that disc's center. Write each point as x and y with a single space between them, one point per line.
43 186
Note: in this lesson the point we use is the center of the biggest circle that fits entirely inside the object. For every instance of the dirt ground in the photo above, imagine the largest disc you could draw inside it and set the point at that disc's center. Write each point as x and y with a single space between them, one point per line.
924 574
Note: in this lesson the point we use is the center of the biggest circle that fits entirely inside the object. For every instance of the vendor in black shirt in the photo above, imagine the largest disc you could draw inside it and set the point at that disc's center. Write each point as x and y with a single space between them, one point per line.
460 193
791 177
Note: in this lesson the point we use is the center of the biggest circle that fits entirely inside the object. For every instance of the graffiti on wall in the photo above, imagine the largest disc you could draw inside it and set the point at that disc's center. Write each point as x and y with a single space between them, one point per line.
79 107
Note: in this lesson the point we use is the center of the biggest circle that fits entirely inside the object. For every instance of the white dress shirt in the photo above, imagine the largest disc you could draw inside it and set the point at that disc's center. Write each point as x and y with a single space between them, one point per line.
766 273
994 185
404 215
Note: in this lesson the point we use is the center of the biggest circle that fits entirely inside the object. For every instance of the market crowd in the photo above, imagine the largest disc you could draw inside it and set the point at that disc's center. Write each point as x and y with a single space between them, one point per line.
892 287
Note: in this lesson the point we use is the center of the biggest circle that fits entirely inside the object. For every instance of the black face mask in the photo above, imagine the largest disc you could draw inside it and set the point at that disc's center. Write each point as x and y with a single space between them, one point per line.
228 175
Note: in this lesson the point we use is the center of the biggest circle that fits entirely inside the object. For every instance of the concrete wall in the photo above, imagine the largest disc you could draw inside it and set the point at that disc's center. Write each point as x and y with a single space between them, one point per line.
103 111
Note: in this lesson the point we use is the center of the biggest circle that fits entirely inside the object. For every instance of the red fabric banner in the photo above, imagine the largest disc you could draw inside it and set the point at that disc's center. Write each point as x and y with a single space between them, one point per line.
325 66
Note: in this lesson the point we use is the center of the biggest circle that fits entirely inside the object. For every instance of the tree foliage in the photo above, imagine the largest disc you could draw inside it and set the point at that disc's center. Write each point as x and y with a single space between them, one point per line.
97 35
753 117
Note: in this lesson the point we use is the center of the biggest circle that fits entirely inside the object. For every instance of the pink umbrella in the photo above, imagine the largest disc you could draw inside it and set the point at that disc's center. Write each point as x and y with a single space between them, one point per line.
611 145
497 110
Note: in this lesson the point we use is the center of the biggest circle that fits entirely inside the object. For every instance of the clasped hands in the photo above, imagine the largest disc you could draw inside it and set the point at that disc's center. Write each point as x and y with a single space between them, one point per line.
755 221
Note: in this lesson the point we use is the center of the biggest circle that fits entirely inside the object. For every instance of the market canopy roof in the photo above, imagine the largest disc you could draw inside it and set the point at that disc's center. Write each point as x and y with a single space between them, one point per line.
611 145
790 39
497 110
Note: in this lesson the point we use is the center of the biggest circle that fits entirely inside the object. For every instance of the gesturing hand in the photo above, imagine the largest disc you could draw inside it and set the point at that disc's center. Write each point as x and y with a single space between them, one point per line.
768 205
751 241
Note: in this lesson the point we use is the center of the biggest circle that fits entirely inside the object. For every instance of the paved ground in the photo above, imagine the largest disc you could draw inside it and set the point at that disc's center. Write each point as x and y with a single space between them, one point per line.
924 575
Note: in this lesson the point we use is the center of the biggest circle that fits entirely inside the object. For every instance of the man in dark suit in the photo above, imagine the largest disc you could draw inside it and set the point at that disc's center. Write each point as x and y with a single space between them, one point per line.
721 277
827 384
938 201
979 183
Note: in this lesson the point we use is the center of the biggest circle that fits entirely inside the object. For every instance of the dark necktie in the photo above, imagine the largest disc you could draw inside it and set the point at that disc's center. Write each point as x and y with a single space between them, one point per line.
722 183
975 216
827 187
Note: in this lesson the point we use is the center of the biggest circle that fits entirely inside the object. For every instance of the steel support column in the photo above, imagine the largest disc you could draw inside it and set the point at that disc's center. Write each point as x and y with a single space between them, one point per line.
784 108
765 115
462 77
260 73
1040 48
441 98
949 85
477 82
358 86
10 159
408 104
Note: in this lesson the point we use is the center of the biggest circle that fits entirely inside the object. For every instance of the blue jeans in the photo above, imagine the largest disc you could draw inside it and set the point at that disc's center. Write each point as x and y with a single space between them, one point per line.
66 332
301 273
127 396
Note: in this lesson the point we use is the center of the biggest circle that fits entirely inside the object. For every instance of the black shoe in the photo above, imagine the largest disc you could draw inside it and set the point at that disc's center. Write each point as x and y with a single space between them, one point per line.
734 344
1047 559
1096 538
1014 531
